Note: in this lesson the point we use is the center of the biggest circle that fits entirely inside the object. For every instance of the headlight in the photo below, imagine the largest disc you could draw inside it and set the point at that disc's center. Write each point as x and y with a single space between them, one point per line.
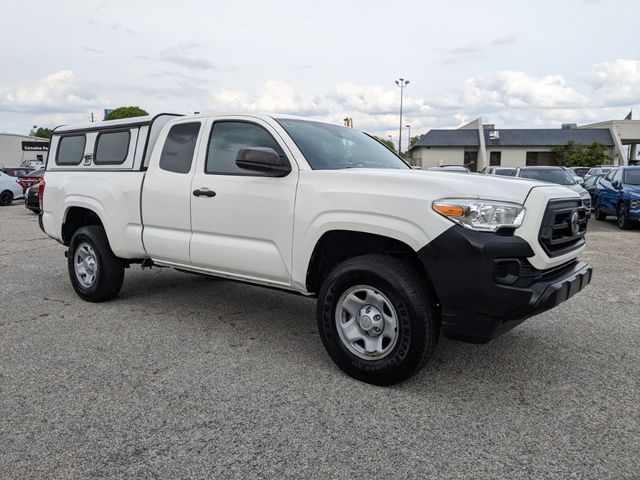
481 215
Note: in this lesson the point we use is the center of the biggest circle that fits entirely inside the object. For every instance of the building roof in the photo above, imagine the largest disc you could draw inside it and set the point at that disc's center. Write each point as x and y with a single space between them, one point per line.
449 138
548 137
516 137
24 137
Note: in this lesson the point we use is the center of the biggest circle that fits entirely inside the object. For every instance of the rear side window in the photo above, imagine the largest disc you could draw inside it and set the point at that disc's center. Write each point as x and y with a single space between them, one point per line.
112 147
70 150
177 152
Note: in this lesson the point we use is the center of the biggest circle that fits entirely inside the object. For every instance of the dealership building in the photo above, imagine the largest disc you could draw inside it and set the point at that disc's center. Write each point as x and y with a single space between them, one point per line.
477 145
22 150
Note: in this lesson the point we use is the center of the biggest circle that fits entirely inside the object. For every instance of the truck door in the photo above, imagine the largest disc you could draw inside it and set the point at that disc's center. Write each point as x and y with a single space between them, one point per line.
242 220
166 193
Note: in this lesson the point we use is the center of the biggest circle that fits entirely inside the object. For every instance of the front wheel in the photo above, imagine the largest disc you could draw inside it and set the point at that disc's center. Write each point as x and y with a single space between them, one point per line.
377 319
95 272
6 198
622 217
600 215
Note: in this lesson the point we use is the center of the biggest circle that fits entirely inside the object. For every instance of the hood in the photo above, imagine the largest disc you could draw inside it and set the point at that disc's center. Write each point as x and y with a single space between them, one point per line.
577 188
633 189
432 184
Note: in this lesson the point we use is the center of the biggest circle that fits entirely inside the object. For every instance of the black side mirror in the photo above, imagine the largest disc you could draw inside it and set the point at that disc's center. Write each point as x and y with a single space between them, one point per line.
263 159
615 184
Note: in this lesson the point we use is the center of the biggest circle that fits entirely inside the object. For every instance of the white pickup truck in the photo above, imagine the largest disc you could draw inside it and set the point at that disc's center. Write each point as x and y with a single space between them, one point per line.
396 257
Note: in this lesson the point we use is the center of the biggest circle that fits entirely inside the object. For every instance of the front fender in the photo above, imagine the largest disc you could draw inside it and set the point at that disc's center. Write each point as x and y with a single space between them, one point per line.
397 228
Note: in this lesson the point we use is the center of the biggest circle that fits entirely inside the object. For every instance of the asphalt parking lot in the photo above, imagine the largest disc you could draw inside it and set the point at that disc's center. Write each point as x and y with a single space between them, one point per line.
186 376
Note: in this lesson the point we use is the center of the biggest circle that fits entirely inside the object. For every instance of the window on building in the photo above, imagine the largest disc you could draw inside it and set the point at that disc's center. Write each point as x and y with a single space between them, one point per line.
540 158
70 150
177 152
495 158
228 138
471 161
112 147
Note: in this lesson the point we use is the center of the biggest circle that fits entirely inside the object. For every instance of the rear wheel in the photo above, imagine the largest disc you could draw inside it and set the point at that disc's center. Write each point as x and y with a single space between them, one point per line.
6 198
600 215
623 219
95 272
377 319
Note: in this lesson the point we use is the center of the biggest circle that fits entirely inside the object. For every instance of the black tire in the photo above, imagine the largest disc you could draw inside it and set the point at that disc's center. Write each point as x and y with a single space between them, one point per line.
418 324
623 219
600 215
110 269
6 198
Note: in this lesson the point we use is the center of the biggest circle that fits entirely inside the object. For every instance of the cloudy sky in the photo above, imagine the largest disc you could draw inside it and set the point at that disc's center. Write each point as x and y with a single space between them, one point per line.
515 63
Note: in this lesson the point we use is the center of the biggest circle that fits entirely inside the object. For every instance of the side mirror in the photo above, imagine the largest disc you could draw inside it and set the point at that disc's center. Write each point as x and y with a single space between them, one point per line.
263 159
615 184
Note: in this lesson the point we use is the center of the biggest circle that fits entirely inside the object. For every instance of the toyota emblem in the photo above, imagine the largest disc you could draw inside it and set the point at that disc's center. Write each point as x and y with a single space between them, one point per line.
575 223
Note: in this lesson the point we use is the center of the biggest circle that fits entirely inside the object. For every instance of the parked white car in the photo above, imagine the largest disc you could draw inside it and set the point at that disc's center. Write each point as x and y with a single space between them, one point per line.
10 189
396 257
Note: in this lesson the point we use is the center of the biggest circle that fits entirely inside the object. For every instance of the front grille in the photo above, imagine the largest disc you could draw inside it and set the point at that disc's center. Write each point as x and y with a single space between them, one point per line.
557 235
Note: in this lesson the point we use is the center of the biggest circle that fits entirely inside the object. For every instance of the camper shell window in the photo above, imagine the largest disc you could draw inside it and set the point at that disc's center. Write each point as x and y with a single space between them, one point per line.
70 150
112 148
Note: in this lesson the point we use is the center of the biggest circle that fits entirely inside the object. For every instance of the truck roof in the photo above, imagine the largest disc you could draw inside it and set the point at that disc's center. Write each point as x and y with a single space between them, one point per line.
149 119
133 121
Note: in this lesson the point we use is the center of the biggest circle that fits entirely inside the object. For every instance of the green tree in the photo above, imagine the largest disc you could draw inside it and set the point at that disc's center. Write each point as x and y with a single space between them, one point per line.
414 140
387 143
575 155
125 112
41 132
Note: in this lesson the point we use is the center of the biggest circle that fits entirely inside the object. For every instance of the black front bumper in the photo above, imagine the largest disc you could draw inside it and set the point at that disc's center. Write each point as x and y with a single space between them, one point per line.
486 286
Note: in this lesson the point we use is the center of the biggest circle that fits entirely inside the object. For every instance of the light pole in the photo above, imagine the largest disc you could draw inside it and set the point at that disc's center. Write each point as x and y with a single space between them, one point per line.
401 83
409 140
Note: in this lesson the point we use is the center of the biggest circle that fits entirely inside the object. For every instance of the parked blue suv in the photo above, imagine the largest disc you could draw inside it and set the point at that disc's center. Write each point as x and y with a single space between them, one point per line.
618 193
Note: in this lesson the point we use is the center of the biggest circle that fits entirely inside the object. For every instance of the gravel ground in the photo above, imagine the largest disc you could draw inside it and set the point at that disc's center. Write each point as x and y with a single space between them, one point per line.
186 376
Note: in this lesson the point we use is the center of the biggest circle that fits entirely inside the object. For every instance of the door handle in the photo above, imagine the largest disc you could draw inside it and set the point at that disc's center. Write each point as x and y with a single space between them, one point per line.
204 191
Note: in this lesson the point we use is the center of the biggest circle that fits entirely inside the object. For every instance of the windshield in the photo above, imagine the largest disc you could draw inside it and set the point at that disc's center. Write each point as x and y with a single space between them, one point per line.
504 171
332 147
561 177
632 177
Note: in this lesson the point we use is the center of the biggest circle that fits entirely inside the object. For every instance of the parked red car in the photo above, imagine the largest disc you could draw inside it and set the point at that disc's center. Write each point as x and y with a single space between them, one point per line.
31 178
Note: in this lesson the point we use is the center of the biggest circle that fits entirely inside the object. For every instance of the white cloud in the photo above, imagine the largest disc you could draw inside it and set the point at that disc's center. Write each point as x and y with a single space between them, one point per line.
508 98
273 96
56 93
514 89
616 82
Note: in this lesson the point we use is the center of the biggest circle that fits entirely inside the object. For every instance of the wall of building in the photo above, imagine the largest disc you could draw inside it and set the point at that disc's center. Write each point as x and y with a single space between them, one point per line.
11 153
515 156
435 156
624 132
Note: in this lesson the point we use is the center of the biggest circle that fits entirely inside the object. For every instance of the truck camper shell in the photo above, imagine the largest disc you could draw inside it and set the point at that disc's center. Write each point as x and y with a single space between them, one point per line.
113 145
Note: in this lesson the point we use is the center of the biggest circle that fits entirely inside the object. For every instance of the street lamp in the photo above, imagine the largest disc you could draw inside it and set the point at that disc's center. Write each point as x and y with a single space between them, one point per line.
409 141
401 83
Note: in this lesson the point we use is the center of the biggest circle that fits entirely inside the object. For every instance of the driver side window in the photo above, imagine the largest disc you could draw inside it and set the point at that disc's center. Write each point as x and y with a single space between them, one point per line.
617 175
227 138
